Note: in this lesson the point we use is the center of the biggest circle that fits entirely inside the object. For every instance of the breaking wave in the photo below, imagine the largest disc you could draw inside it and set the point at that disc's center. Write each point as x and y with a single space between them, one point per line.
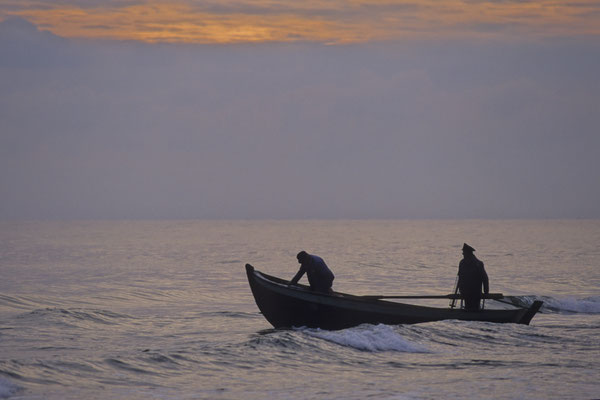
373 338
567 304
588 305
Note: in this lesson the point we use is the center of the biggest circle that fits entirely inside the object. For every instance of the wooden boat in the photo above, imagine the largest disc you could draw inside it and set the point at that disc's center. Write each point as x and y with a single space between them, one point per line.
295 306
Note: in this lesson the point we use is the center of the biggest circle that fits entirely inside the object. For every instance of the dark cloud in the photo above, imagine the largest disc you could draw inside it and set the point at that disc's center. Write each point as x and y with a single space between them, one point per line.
335 10
84 4
103 27
432 129
22 44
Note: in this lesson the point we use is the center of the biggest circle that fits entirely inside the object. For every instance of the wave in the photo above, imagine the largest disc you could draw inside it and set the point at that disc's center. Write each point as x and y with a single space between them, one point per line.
566 304
125 366
7 388
69 316
230 262
366 337
18 302
229 314
12 301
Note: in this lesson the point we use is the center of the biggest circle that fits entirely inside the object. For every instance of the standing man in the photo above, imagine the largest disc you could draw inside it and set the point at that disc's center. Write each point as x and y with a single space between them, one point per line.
471 276
319 275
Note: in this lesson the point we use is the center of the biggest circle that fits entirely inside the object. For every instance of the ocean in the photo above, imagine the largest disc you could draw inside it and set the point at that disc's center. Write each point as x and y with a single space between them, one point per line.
163 310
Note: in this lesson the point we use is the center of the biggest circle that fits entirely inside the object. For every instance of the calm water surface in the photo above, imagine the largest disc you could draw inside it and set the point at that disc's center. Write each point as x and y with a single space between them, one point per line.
162 310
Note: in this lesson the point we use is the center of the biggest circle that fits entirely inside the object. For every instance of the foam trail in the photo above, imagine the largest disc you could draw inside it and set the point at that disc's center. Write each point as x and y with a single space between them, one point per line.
567 304
588 305
372 338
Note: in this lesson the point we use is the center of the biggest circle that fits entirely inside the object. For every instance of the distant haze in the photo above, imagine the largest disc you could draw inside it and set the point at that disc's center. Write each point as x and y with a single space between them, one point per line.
435 128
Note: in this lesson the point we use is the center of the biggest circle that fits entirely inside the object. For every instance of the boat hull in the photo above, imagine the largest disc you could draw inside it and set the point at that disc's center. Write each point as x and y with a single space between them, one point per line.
294 306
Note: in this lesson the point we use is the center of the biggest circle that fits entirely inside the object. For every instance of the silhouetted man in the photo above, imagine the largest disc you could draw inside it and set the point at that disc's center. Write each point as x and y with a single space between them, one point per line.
319 275
471 276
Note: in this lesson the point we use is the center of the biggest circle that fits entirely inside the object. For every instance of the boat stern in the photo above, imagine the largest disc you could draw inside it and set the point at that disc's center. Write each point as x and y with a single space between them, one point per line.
531 311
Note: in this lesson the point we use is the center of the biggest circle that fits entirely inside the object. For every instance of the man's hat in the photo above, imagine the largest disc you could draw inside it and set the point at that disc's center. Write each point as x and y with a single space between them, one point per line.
468 248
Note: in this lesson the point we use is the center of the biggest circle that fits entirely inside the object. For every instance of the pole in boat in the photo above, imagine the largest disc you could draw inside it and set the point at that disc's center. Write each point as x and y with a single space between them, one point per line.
453 302
493 296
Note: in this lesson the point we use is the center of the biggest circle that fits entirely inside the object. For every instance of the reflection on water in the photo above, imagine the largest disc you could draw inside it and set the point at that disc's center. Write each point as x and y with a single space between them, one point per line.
162 309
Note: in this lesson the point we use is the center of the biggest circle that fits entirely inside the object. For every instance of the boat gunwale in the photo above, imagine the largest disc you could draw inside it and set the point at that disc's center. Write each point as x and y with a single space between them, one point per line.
337 299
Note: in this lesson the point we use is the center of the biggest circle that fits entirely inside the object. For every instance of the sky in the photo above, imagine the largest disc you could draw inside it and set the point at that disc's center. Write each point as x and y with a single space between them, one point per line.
130 109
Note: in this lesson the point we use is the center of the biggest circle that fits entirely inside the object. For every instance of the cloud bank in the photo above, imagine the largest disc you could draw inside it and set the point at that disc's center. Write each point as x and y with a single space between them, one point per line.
322 21
419 129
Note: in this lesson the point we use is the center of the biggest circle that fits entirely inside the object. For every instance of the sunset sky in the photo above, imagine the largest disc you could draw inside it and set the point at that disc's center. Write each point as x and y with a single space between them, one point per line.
334 21
299 109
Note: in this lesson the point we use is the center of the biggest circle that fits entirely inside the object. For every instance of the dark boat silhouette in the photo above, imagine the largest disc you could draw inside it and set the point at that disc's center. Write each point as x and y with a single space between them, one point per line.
287 306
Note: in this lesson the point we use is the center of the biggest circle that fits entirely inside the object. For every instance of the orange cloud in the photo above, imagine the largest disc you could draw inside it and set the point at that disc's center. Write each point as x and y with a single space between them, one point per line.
333 21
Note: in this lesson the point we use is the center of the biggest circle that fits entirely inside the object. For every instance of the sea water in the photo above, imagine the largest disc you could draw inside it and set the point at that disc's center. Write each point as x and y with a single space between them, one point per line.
163 310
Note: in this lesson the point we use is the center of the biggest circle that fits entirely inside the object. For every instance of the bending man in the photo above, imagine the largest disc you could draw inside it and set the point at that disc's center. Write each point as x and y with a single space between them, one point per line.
319 275
471 276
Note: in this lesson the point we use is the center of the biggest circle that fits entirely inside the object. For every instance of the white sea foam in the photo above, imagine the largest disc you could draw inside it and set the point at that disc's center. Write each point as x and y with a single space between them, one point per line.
369 338
7 388
566 304
590 305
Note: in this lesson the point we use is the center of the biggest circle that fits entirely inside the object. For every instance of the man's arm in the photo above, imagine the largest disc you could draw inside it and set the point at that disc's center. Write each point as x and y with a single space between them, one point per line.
484 278
298 275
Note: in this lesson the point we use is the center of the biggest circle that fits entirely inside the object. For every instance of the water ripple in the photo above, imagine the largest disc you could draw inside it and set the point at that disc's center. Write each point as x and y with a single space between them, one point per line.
122 365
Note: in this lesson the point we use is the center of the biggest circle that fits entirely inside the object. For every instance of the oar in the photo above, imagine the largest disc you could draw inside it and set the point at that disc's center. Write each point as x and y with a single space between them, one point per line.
507 302
493 296
453 302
